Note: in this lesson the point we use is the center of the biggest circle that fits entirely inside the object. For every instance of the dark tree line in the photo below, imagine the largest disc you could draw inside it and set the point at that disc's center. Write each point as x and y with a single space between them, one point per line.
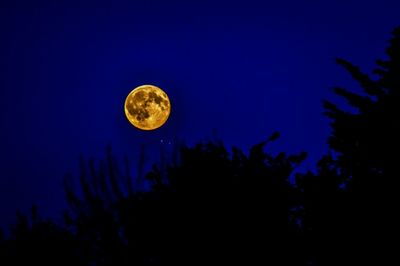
211 205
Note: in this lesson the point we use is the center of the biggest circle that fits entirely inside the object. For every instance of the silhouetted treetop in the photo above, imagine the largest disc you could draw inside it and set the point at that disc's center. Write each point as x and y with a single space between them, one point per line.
208 199
360 176
367 140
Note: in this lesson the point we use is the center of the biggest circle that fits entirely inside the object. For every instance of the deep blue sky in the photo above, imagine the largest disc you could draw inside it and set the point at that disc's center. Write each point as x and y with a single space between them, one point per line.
243 68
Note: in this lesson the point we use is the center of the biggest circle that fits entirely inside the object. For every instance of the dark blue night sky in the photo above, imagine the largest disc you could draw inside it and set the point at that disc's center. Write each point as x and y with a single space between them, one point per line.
243 69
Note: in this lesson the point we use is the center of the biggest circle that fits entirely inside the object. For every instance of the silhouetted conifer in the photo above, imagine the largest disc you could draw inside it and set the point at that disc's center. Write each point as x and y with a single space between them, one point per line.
351 204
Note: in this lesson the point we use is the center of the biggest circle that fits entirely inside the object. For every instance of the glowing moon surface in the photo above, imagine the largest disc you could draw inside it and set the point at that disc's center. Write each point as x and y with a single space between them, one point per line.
147 107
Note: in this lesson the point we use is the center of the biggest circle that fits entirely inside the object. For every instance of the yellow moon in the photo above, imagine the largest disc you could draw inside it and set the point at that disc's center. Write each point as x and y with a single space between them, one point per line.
147 107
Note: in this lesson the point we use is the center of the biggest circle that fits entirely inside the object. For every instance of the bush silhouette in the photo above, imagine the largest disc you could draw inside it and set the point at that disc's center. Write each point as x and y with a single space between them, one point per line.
213 206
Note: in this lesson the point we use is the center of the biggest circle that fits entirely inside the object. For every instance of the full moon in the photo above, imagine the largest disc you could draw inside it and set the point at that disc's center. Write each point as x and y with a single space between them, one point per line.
147 107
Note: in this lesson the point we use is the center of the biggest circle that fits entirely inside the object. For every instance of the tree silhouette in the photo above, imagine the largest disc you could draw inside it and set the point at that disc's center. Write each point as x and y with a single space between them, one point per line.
212 206
351 204
366 141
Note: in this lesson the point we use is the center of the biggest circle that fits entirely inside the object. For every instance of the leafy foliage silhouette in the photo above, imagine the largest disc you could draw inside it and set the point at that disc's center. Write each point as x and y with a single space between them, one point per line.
211 205
351 203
